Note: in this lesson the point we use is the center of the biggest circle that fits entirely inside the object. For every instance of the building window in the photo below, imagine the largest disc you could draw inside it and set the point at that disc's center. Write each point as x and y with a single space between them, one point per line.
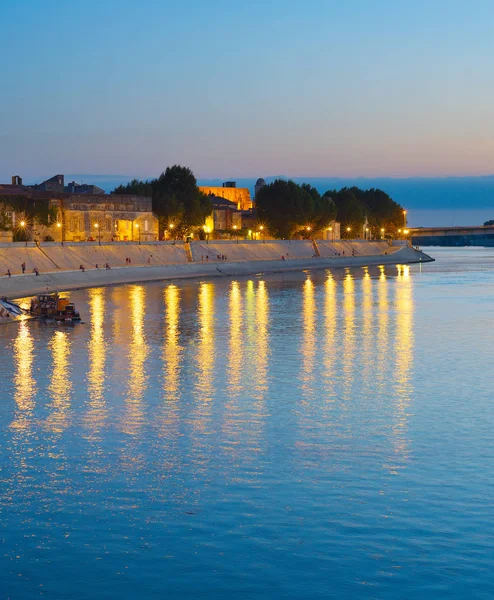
108 223
146 225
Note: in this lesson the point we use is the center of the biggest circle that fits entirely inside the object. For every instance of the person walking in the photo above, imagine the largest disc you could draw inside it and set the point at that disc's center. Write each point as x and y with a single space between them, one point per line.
23 267
9 273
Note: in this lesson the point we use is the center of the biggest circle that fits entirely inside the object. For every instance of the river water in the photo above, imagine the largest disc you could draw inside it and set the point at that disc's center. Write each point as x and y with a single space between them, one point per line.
312 435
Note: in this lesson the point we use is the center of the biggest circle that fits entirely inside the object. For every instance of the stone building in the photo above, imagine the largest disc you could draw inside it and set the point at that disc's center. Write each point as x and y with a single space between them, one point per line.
80 217
106 217
230 191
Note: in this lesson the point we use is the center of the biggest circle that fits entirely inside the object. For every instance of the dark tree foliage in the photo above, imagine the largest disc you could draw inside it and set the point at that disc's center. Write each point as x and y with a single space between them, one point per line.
289 208
350 211
354 205
381 209
136 188
177 198
489 223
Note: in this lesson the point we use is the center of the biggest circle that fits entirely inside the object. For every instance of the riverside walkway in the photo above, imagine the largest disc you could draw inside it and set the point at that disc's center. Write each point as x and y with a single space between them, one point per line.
59 267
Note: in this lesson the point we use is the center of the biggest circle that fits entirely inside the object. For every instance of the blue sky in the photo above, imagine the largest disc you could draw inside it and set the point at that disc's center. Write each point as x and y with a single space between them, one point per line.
313 88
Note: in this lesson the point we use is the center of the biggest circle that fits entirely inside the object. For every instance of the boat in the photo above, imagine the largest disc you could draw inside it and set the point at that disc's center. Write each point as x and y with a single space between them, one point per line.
9 311
54 308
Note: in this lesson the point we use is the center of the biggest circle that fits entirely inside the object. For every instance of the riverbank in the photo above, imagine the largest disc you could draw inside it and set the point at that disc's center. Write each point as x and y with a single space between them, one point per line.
19 286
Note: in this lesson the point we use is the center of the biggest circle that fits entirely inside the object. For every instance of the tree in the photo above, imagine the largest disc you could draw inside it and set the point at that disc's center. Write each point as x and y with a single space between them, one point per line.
177 198
350 210
288 208
136 188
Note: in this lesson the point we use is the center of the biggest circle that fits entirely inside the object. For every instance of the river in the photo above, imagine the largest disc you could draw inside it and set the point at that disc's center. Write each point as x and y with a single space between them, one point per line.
313 435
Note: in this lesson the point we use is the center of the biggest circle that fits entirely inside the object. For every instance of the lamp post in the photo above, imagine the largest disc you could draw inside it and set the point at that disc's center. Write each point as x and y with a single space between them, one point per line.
96 225
366 232
308 232
261 229
171 226
206 231
23 224
348 230
405 219
138 232
236 232
382 233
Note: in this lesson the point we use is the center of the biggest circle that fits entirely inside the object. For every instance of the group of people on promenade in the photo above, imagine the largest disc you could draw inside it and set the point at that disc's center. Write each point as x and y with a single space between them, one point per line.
23 269
96 266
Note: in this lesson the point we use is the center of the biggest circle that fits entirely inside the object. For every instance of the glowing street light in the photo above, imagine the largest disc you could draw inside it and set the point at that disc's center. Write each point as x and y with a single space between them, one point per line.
24 224
236 233
261 229
136 225
96 225
382 233
206 231
348 229
405 218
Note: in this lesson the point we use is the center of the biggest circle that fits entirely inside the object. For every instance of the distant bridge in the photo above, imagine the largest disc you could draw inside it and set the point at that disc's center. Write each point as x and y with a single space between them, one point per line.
452 236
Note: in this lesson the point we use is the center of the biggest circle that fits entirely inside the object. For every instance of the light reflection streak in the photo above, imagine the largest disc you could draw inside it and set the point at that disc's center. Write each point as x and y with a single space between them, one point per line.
330 350
236 346
403 349
60 386
262 333
348 336
205 357
309 339
382 337
172 349
138 353
25 384
97 412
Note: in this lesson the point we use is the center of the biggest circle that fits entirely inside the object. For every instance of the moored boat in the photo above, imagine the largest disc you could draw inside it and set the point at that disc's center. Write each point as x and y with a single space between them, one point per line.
54 308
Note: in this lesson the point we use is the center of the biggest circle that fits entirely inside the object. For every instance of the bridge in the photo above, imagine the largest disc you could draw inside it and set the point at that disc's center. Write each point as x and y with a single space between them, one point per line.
452 236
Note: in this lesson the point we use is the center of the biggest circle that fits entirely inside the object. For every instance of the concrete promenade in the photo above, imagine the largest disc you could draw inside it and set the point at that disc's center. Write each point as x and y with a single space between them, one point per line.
29 284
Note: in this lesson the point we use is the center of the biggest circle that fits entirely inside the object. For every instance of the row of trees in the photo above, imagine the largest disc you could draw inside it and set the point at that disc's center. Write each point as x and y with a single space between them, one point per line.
175 197
290 209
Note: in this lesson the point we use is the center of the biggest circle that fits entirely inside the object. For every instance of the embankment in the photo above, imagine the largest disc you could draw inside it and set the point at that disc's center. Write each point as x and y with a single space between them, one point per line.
29 284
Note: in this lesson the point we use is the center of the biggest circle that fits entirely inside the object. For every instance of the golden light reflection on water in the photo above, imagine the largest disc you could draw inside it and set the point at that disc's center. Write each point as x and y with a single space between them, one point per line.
308 339
262 332
60 387
138 353
348 349
330 319
172 349
206 351
236 344
403 348
382 337
97 348
25 384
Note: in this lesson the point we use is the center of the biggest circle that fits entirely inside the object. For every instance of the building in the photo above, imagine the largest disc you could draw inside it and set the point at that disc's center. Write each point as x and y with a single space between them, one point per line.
82 188
77 217
226 215
230 191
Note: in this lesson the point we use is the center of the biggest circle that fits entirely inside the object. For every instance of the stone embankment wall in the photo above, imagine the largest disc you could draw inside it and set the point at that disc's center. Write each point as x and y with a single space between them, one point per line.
57 279
50 257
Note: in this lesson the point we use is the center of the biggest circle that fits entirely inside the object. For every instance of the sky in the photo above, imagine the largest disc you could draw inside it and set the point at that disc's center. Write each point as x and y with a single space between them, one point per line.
315 88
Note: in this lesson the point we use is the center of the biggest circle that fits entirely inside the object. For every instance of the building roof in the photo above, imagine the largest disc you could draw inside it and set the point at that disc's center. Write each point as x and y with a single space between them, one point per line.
219 202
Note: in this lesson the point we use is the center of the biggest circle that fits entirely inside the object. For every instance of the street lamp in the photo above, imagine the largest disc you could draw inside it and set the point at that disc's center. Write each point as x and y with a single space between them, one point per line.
236 233
382 233
96 225
366 232
331 231
206 231
24 225
405 218
136 225
348 229
261 229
